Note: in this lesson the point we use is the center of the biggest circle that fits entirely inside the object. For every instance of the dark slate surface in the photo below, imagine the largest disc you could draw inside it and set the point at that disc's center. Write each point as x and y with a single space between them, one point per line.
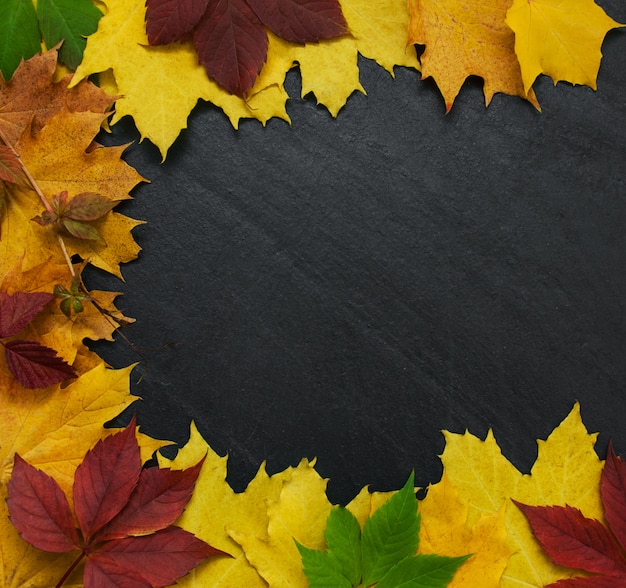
348 288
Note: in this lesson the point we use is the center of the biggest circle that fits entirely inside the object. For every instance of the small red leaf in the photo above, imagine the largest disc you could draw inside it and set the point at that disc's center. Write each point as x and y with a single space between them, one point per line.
231 44
171 20
157 501
17 310
105 480
574 541
301 21
160 558
36 366
613 492
80 230
10 169
88 206
39 509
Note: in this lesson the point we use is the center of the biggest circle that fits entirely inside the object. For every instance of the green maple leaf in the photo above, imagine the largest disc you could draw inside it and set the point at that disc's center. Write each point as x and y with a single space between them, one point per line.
22 29
19 34
383 554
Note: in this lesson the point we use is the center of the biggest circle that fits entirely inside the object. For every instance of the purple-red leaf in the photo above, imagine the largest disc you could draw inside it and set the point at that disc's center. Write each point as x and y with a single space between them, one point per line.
157 501
301 21
10 169
231 44
171 20
613 492
39 509
160 558
34 365
107 574
105 480
574 541
17 310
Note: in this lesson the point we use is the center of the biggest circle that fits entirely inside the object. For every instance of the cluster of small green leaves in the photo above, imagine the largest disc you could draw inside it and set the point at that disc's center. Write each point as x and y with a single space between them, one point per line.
22 28
384 553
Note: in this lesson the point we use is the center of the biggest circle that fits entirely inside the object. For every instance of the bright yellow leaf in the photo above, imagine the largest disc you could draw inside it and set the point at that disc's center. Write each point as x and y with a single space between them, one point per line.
567 471
560 39
444 530
465 38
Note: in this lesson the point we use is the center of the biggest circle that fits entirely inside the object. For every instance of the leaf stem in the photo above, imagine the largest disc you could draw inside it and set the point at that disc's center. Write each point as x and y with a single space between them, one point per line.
66 255
66 575
28 175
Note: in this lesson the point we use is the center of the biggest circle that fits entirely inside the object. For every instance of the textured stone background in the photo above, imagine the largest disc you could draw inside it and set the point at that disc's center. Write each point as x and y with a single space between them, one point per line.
348 288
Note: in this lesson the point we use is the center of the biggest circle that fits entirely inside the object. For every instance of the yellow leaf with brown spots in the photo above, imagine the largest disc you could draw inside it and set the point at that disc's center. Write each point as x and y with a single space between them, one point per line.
463 39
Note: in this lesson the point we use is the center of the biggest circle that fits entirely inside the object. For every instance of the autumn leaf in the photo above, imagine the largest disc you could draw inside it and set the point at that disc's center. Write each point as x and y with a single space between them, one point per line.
151 79
32 364
98 320
467 38
62 155
22 28
566 471
575 541
72 214
125 515
562 41
10 169
445 530
32 96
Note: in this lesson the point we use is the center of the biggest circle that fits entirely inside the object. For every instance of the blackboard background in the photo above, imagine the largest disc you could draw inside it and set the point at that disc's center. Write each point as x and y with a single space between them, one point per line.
348 288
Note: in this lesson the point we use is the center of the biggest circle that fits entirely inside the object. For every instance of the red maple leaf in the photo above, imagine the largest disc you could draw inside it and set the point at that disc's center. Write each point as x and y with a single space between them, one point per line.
229 35
124 513
575 541
33 365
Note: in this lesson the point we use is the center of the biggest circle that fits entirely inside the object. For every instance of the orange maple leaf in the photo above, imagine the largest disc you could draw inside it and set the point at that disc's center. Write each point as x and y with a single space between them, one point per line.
467 38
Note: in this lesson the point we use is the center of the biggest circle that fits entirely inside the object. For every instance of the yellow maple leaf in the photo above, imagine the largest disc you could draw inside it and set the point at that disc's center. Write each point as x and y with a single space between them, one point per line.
62 157
161 85
467 38
444 530
562 40
258 526
567 471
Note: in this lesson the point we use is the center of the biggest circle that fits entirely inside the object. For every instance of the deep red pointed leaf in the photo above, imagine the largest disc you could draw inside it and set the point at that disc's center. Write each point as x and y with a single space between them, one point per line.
160 558
17 310
171 20
39 510
301 21
613 492
105 480
10 169
231 44
157 501
107 574
36 366
590 582
574 541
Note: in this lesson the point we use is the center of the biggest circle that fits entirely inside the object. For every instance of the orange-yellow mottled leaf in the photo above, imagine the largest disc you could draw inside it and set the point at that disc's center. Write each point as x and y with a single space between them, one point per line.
33 95
463 39
59 159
